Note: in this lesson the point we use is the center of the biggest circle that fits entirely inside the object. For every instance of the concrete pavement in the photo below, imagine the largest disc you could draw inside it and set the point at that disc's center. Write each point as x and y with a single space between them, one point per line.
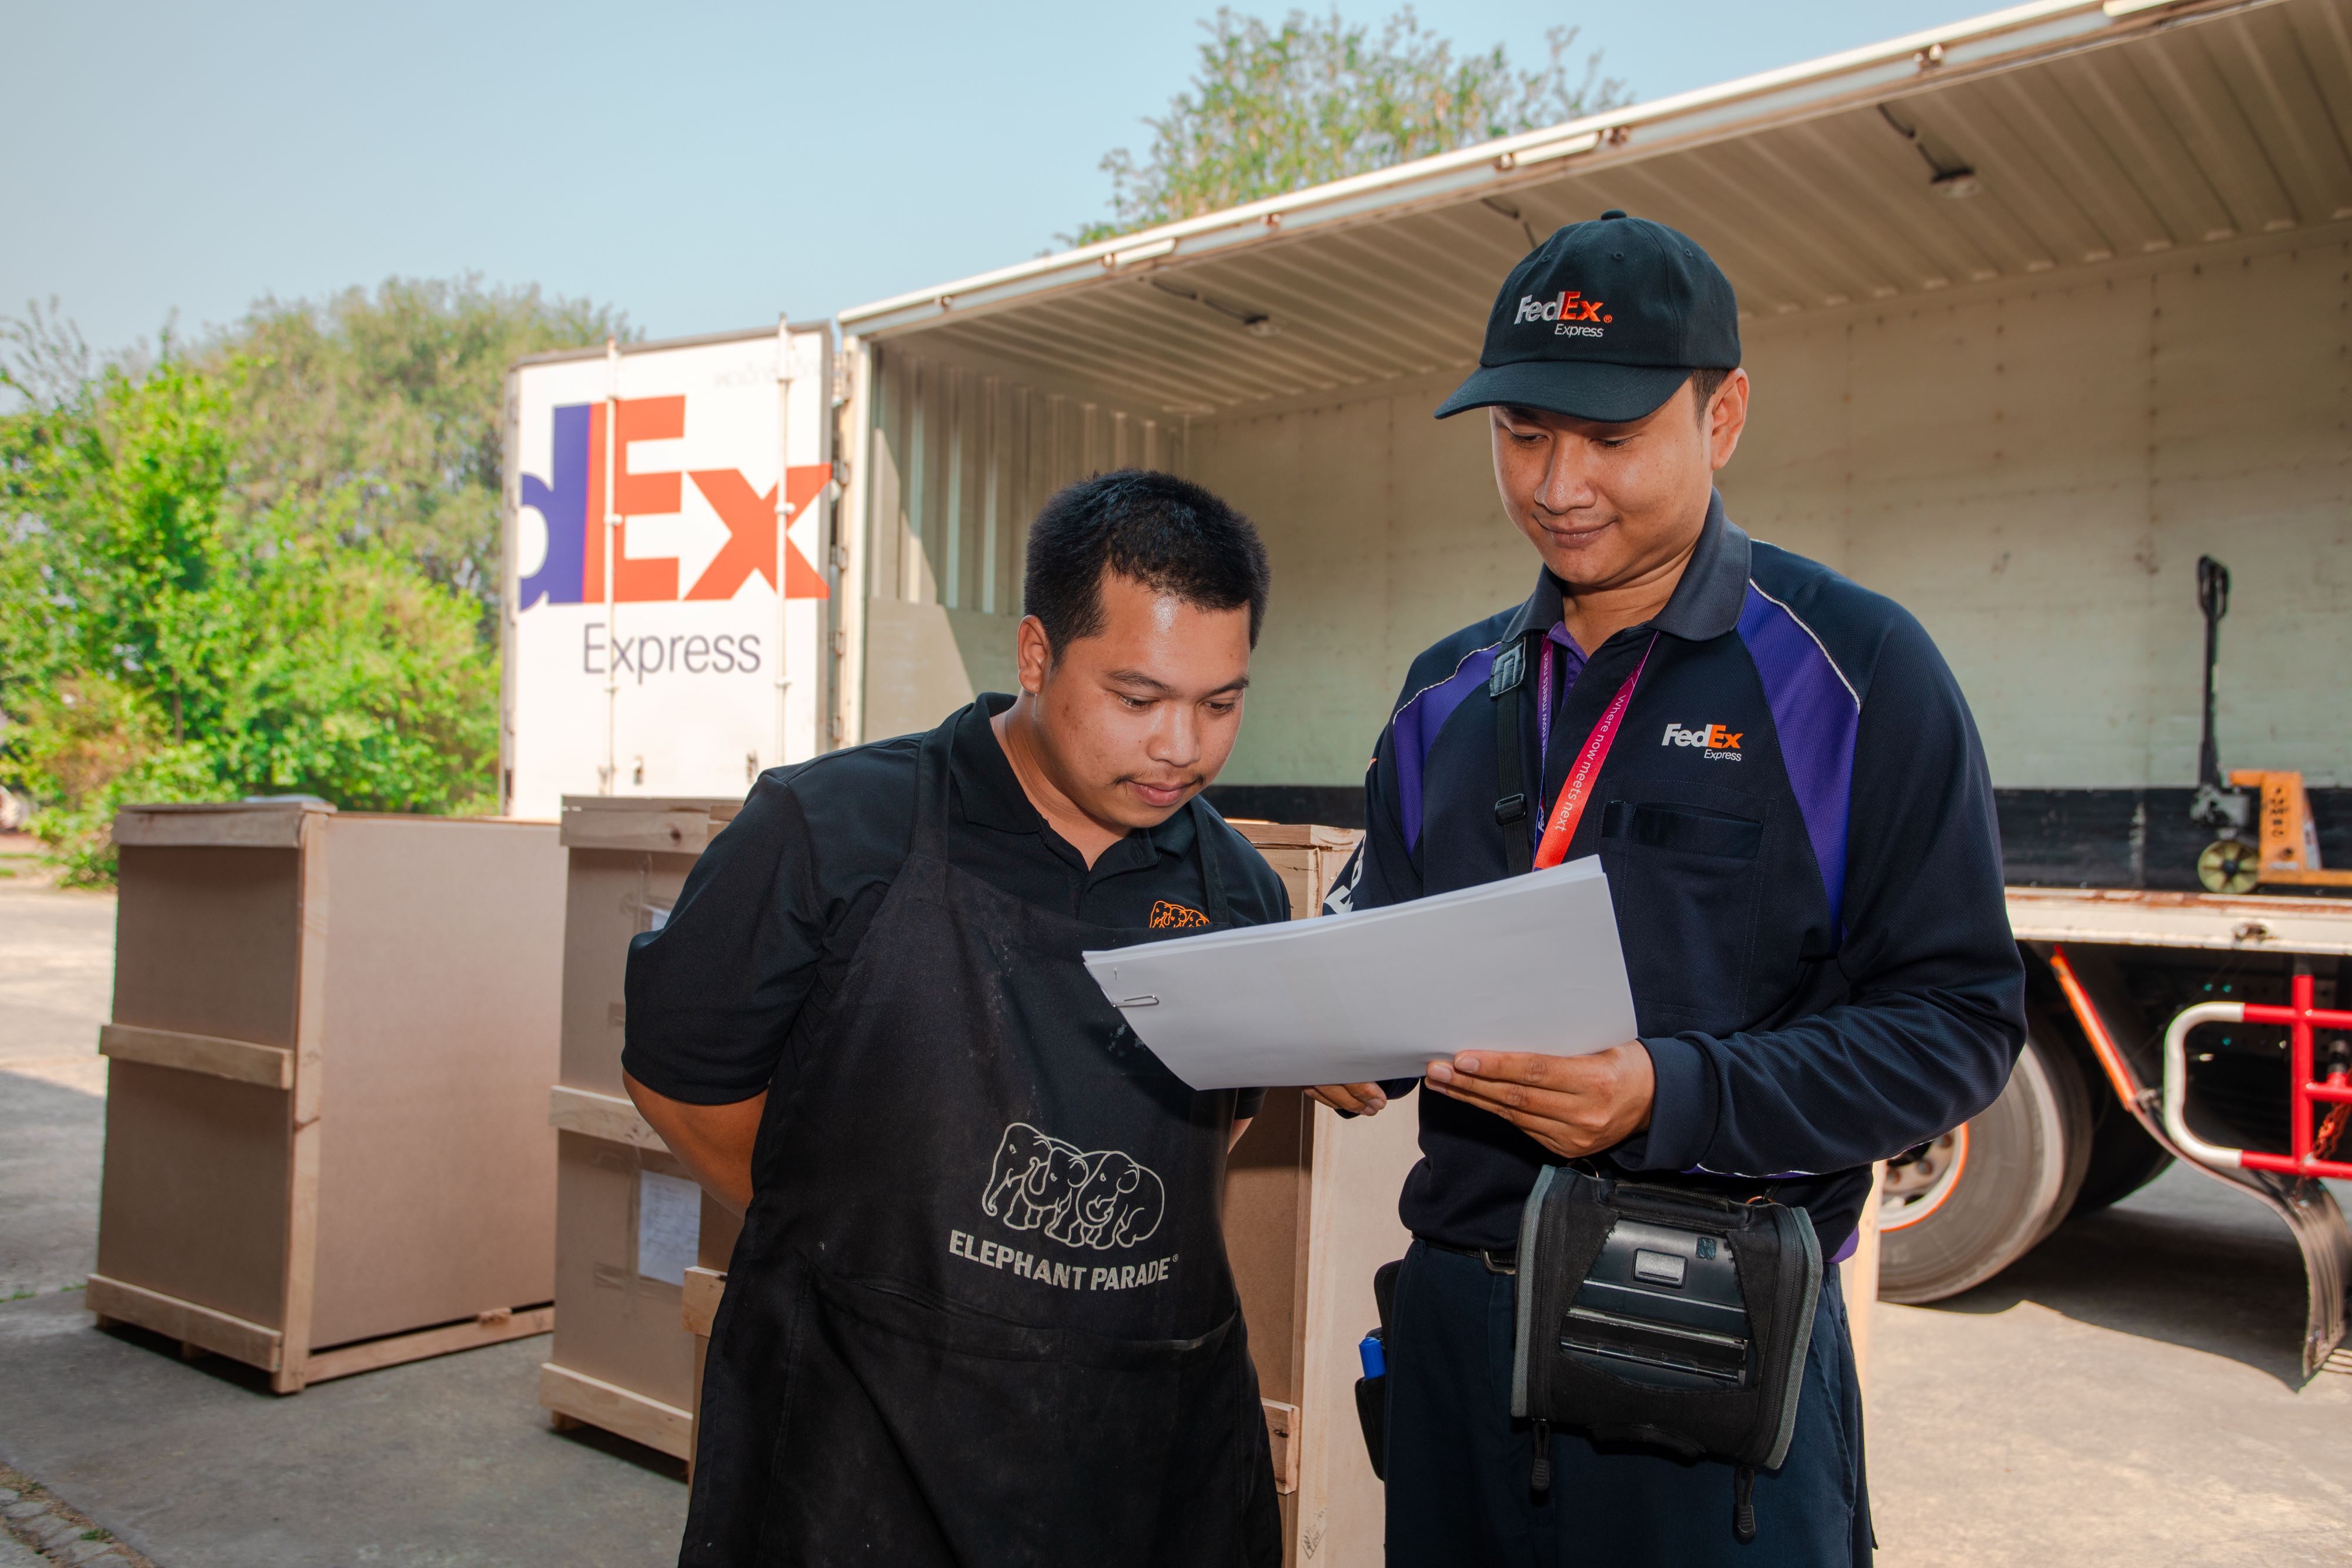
2130 1393
57 980
2127 1395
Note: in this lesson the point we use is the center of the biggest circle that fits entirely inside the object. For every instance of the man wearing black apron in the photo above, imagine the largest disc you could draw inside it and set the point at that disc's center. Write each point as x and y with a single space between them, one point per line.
980 1313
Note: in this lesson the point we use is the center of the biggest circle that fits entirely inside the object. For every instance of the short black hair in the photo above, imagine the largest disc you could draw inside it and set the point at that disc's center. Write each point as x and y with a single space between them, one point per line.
1705 383
1167 533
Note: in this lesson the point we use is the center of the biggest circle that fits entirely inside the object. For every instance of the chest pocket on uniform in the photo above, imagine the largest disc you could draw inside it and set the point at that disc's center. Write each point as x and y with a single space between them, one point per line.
1693 829
1685 880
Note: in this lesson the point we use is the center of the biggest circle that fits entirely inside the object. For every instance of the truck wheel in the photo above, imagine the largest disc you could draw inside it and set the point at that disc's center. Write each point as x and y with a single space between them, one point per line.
1969 1204
2124 1159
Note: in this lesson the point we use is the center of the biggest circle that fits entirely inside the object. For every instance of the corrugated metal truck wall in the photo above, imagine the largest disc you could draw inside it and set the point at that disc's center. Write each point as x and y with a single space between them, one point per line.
2031 467
962 461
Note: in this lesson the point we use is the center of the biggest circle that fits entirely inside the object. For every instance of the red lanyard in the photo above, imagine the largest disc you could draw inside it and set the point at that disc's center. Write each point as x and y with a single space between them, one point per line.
1577 792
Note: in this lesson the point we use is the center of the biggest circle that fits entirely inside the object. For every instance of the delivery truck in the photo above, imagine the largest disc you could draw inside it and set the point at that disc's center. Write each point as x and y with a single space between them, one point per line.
2043 309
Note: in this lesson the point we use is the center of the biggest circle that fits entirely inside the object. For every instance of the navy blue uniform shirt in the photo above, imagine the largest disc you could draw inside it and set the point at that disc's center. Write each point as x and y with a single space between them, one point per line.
1797 828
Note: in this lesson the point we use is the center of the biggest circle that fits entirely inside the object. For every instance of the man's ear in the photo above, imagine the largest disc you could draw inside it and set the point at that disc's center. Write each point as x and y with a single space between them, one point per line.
1727 419
1033 655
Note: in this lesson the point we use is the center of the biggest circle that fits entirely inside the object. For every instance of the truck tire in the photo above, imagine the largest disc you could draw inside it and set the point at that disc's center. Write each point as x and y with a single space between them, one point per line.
1978 1198
2123 1158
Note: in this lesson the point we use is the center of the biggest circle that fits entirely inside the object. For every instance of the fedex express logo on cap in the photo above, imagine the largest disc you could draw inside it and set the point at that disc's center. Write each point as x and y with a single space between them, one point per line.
1568 313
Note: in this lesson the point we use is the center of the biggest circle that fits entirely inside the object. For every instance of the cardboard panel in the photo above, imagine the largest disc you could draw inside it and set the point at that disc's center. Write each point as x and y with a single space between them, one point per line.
205 942
1359 1168
436 1179
1265 1216
611 896
194 1203
611 1324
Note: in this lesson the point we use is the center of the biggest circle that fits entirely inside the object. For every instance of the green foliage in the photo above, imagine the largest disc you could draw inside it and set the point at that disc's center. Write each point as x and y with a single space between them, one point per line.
1276 108
393 402
166 640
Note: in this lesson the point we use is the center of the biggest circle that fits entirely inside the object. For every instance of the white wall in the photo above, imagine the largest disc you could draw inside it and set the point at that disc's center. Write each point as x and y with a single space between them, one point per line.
2032 467
2034 471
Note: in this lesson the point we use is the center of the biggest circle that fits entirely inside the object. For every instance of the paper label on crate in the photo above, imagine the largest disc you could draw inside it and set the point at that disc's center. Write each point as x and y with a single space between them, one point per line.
670 1226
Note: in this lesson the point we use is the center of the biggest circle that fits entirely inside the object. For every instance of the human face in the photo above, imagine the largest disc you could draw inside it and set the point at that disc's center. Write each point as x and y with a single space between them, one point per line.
1138 718
1608 505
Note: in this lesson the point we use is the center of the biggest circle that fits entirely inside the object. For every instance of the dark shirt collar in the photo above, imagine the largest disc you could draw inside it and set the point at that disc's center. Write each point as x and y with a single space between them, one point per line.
989 792
1705 603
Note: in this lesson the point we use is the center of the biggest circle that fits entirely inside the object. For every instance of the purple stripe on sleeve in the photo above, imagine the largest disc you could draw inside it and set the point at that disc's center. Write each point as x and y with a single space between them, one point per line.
1415 729
1816 715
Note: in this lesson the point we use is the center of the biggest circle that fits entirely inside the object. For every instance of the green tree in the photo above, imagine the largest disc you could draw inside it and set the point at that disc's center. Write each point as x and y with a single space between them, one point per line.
393 401
165 640
1277 108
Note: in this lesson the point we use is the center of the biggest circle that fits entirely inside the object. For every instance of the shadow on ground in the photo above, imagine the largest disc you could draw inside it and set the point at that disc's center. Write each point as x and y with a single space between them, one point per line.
2188 1261
50 1141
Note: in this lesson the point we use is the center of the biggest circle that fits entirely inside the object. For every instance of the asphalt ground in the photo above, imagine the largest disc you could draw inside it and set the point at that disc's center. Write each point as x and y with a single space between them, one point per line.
2127 1395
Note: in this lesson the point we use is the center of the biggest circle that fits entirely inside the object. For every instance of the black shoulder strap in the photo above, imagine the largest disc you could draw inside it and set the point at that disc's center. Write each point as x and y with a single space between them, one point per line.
1510 771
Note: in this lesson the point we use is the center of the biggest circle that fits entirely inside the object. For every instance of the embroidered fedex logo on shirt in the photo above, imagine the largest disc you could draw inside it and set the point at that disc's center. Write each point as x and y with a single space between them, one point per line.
1721 741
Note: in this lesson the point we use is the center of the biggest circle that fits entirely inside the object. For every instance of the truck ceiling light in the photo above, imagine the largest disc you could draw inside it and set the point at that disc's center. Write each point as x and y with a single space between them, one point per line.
1947 175
1256 323
1544 153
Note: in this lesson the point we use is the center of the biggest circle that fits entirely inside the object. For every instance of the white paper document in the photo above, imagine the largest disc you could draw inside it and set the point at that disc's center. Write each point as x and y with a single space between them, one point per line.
1529 962
669 1226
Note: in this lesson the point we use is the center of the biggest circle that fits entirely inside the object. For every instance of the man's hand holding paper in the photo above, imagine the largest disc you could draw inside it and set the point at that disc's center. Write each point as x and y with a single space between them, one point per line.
1572 1105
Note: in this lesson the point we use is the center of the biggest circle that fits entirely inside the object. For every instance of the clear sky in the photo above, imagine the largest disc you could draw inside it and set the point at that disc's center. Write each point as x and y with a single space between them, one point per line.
701 166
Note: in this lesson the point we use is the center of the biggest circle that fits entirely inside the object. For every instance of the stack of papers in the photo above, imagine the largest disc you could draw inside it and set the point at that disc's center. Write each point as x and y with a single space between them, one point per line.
1530 963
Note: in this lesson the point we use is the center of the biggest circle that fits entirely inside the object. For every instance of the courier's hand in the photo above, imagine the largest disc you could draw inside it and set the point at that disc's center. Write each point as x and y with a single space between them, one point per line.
1572 1105
1358 1098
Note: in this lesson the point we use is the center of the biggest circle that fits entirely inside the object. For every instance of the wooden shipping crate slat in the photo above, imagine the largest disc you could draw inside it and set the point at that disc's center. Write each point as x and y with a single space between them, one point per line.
238 1061
663 1427
606 1116
1294 835
1282 1434
490 1328
235 826
218 1332
699 1306
661 825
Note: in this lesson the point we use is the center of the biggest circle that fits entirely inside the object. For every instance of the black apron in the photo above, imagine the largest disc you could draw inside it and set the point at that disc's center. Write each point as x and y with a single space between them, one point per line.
980 1313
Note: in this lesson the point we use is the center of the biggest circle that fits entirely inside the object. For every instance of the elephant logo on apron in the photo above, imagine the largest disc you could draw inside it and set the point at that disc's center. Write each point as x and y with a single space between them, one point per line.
1103 1199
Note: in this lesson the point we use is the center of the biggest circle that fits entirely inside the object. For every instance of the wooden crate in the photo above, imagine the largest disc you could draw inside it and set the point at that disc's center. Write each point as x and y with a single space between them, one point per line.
325 1150
621 1359
1311 1212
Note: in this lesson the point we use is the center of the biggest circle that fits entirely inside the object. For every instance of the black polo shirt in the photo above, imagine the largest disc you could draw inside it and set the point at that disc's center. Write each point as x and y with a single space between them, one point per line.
771 913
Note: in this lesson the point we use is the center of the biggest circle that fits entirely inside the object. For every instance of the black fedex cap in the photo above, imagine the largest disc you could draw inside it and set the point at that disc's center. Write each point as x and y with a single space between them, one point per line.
1603 321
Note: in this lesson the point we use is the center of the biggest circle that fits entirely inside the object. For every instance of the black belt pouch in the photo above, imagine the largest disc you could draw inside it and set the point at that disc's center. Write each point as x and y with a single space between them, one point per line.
1655 1315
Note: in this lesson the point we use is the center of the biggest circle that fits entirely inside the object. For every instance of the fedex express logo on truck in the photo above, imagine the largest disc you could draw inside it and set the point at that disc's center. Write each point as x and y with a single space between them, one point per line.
572 502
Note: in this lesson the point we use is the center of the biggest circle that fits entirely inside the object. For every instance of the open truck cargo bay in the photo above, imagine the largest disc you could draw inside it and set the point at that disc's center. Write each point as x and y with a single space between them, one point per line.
2039 307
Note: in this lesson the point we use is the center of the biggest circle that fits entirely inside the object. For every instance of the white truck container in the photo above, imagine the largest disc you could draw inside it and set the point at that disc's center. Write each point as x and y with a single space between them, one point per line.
669 566
2040 308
